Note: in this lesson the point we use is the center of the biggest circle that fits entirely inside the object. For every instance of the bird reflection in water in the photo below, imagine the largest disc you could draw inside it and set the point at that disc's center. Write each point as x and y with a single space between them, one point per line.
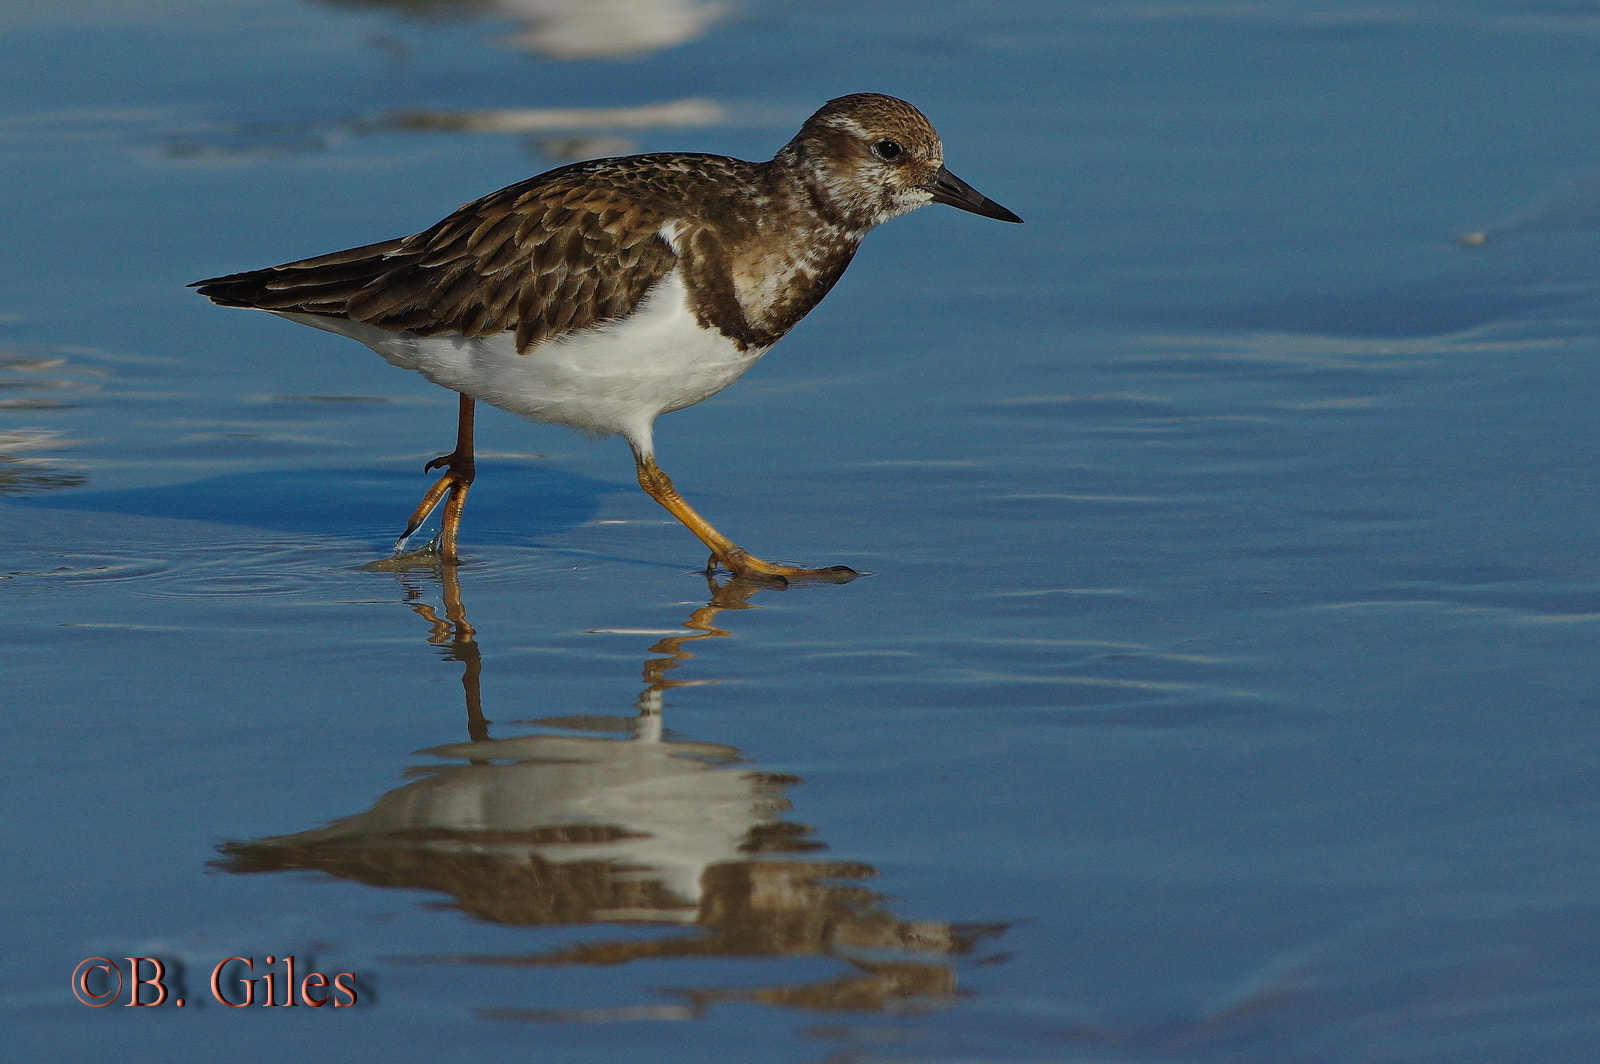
613 821
576 30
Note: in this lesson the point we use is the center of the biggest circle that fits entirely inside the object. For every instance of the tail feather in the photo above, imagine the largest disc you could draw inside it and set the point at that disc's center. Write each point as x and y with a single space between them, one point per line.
319 285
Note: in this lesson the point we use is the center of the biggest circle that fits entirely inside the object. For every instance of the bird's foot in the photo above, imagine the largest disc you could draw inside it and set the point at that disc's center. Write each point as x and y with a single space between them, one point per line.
459 471
457 465
746 566
423 559
427 555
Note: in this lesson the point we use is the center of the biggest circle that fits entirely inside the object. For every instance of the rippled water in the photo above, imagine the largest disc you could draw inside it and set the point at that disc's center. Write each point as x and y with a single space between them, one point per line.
1223 685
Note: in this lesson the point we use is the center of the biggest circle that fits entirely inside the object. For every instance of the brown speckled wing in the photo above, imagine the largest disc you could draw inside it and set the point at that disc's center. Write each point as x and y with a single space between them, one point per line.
564 251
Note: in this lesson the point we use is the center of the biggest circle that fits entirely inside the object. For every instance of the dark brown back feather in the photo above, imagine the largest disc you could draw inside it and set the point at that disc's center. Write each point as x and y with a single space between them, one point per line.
563 251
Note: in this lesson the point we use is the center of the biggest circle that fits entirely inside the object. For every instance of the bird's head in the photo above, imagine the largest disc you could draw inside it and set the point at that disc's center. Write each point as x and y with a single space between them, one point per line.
867 158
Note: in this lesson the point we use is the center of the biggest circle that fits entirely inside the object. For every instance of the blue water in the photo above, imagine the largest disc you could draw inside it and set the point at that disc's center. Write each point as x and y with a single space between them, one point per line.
1223 685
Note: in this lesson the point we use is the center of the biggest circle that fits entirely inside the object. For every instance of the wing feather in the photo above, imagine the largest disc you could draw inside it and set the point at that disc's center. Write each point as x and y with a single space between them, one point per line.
552 255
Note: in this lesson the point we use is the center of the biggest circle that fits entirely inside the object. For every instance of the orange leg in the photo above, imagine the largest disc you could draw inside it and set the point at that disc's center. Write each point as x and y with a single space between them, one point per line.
459 471
724 552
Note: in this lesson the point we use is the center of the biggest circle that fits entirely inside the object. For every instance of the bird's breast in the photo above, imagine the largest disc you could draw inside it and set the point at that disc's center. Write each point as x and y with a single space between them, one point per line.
779 283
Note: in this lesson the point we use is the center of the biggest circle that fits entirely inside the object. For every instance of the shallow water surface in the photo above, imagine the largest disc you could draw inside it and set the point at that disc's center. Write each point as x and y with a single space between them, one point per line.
1221 686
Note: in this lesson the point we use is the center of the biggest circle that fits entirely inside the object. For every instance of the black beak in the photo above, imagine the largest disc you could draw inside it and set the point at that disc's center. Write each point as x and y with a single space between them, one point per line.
948 188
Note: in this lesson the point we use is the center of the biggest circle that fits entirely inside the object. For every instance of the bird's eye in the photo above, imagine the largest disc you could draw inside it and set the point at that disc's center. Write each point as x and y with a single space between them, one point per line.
888 150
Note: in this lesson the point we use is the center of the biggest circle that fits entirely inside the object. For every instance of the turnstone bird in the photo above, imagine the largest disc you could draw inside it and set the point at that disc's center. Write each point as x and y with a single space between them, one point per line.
603 294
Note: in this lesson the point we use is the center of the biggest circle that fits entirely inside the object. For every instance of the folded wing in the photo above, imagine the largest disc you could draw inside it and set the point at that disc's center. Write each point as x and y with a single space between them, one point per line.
546 257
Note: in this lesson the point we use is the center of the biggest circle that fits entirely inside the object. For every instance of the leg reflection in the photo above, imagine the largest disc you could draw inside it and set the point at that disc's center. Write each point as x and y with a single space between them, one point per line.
454 633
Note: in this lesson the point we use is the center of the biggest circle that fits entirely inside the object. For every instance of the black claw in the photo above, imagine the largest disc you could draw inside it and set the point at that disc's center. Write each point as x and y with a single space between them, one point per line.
441 462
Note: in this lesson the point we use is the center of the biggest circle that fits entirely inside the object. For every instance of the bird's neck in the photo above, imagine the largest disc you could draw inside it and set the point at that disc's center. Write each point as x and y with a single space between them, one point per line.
786 258
800 172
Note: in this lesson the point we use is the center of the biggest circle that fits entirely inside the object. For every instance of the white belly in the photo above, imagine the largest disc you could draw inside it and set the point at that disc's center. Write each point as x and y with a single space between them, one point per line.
615 378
